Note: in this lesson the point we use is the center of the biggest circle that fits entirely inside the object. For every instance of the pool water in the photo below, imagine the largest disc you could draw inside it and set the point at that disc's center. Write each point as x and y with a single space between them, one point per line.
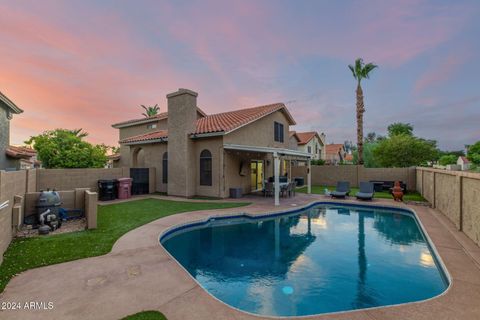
323 259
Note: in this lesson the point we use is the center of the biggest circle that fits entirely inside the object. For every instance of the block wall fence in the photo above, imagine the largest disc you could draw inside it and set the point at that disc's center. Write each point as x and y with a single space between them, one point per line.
456 194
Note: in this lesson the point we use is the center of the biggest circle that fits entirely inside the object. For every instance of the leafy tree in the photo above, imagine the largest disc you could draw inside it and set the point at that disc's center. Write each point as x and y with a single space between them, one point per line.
447 159
368 155
150 111
400 128
474 153
405 151
371 137
360 71
63 148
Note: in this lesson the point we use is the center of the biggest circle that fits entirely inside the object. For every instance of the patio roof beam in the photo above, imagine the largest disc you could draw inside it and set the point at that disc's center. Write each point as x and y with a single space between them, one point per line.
279 151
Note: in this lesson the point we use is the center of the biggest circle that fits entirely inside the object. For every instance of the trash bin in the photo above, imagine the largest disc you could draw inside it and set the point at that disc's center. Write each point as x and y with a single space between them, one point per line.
124 188
235 193
300 181
107 189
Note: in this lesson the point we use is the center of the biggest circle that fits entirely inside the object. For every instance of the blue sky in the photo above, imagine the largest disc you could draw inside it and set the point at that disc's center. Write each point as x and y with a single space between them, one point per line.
90 64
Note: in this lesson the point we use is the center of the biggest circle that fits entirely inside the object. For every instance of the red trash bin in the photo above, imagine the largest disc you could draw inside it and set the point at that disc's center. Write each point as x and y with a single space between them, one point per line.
124 188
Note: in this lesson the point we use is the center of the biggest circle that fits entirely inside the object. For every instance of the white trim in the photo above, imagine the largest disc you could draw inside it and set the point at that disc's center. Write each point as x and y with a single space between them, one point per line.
279 151
4 205
145 141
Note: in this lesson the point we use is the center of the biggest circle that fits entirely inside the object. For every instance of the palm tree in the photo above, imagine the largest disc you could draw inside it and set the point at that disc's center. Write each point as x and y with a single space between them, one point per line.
78 133
360 71
150 111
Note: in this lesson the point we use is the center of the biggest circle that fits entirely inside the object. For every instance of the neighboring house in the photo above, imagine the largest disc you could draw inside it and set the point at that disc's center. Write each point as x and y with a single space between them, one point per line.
7 110
464 163
113 160
23 157
207 155
293 140
348 158
313 143
335 153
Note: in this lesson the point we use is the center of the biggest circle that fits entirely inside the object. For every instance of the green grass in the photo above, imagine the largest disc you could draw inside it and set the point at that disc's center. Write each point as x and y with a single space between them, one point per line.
409 196
113 221
146 315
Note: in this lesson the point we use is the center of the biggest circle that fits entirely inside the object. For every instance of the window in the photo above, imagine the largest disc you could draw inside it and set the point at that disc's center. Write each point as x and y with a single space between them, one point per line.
309 149
205 168
316 149
151 126
165 168
278 131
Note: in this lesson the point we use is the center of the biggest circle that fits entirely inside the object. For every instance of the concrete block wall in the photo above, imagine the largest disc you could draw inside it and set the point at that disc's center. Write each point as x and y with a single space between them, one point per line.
329 175
455 194
69 179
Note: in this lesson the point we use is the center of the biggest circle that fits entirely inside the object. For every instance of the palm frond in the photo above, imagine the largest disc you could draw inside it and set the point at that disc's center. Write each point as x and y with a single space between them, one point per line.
353 71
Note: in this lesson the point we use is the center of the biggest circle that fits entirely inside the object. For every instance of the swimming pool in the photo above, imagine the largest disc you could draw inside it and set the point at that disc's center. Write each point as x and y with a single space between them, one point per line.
321 259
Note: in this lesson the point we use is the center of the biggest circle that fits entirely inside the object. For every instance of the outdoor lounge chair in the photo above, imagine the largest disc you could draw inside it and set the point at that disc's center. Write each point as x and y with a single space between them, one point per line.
342 190
366 191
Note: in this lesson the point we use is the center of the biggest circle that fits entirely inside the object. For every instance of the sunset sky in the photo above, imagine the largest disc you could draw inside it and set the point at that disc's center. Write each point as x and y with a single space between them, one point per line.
88 64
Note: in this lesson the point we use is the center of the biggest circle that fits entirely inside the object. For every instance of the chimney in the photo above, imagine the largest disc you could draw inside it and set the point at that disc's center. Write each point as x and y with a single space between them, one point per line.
182 117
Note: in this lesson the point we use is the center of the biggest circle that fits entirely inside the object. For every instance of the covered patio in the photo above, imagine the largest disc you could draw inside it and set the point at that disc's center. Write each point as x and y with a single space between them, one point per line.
280 157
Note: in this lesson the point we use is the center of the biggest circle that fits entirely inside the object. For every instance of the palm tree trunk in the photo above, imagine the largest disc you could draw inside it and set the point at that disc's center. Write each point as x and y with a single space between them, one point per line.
360 111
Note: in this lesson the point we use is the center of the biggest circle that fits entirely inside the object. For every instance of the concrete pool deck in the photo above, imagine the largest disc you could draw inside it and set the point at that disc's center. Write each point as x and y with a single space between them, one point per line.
138 274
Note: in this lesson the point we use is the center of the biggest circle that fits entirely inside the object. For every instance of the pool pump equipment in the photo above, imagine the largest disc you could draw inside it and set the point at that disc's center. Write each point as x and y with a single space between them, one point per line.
48 205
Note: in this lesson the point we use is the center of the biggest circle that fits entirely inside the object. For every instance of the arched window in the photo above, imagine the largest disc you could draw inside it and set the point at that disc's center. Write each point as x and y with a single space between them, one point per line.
205 168
165 168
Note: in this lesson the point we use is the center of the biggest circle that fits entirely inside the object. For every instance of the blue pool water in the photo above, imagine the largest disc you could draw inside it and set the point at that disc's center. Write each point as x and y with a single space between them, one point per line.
323 259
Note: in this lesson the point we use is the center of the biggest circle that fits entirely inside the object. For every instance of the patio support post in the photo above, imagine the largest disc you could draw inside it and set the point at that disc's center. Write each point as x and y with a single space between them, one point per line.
276 174
309 177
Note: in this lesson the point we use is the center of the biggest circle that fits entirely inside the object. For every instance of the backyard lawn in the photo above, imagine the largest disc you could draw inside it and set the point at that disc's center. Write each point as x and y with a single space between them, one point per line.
146 315
410 196
113 221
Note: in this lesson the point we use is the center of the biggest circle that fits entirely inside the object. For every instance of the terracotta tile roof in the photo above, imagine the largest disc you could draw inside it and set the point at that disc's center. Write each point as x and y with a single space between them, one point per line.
220 122
114 157
293 134
228 121
333 148
160 116
305 137
156 135
20 152
349 157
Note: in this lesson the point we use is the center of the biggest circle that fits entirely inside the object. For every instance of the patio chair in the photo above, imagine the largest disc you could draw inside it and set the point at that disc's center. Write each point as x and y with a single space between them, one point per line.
366 191
294 187
342 190
268 191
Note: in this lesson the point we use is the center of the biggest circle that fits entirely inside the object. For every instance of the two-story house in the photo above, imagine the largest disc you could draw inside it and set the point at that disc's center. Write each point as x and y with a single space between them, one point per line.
196 154
313 143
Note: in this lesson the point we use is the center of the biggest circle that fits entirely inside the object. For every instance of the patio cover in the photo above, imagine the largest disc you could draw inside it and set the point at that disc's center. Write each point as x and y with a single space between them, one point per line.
277 153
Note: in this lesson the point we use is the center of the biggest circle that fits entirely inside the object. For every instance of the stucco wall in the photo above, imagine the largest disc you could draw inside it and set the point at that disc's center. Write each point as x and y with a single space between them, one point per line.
5 162
69 179
455 194
141 129
260 132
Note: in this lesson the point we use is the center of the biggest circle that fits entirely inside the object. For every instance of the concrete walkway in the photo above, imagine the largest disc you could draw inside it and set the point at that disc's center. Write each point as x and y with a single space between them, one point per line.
139 275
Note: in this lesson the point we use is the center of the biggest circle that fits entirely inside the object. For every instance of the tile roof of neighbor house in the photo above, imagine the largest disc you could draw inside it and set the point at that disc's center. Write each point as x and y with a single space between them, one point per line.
464 159
20 152
10 104
349 157
293 134
305 137
333 148
221 122
114 157
160 116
